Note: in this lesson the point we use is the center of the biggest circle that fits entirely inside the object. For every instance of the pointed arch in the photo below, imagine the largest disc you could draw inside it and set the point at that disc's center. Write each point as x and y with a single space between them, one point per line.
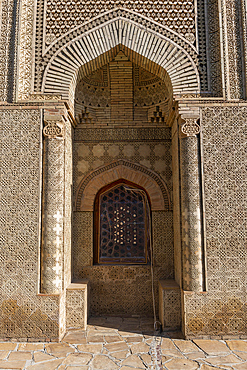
122 169
95 47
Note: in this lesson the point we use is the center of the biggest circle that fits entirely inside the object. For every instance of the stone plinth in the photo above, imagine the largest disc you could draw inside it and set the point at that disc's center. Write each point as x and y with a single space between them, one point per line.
77 295
169 305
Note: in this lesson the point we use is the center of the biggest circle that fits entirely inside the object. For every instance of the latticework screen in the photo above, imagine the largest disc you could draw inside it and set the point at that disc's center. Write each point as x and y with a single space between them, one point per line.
123 221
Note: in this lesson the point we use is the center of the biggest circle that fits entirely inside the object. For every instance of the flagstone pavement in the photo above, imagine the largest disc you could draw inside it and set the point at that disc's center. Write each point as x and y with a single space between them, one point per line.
126 344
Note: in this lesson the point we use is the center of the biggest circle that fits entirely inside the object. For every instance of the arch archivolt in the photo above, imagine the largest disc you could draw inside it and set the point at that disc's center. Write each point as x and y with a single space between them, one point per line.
95 47
122 169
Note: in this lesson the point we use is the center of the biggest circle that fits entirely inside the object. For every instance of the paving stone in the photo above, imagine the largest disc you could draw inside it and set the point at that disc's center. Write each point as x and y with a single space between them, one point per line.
195 355
243 355
3 354
130 368
120 355
41 356
20 356
75 338
130 329
212 347
146 358
149 340
223 360
178 364
116 347
165 359
90 348
140 348
167 344
47 365
95 339
126 333
92 331
134 339
106 331
114 353
241 366
172 353
7 346
77 368
113 338
12 364
134 361
101 362
59 349
186 346
30 346
78 359
237 345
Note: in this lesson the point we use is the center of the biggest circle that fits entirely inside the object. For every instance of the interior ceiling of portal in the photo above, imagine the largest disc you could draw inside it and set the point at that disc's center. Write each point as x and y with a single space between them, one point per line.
104 92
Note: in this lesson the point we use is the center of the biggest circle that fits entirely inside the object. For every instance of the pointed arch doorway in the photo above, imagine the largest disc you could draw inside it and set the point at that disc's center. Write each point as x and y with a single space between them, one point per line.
146 142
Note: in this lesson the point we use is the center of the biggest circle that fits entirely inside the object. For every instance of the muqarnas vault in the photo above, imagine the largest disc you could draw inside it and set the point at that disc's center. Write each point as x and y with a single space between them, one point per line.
123 146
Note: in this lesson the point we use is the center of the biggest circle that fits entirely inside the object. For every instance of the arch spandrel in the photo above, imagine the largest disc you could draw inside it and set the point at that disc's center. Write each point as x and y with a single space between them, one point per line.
95 47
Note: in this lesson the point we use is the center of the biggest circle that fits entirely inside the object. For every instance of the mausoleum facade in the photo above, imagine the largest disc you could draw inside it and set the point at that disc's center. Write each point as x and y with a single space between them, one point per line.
123 165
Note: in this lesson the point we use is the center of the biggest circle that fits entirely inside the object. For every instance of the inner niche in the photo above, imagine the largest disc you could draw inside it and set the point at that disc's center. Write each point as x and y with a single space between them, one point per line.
123 112
121 92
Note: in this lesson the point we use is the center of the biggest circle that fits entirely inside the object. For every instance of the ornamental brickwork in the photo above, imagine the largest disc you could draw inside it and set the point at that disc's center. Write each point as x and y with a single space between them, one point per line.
147 92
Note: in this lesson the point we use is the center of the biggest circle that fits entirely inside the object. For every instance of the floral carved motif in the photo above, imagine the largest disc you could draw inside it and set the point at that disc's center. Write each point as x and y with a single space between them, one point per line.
52 129
190 127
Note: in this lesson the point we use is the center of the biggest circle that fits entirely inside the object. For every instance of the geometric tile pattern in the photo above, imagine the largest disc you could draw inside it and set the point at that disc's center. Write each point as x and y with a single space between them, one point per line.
214 51
115 288
25 315
148 147
120 289
191 214
67 203
8 52
53 80
169 305
76 305
52 216
60 16
232 40
223 309
68 133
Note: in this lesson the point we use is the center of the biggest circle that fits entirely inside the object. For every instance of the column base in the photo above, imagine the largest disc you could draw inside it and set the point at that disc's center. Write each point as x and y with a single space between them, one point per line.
169 305
77 308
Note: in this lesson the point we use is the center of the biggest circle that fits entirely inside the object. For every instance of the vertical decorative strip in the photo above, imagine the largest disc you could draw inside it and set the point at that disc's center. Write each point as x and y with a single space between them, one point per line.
244 29
232 47
191 207
25 49
8 41
53 204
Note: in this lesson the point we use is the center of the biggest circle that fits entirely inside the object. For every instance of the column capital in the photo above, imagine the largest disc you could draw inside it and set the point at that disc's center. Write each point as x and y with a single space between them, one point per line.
190 127
53 129
189 116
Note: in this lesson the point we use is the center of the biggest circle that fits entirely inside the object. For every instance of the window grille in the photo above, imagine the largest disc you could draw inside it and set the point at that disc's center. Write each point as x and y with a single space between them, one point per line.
122 223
